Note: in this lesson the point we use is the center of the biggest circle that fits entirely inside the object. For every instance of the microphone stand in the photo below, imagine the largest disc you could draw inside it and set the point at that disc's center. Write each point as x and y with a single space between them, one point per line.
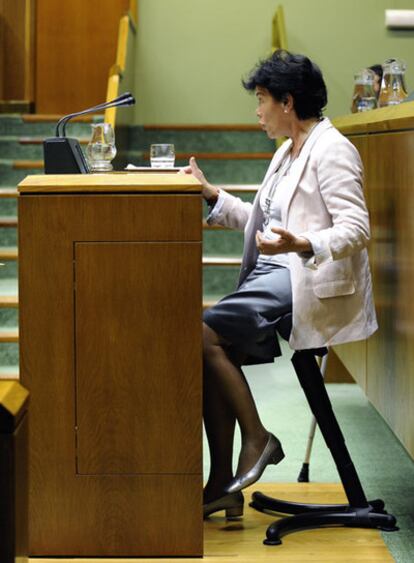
63 155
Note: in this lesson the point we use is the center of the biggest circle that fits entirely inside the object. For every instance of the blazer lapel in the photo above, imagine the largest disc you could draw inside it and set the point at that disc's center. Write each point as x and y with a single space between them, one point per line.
298 167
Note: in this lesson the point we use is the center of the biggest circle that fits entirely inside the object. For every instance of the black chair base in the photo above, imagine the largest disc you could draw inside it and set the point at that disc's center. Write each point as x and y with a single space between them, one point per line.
358 513
309 516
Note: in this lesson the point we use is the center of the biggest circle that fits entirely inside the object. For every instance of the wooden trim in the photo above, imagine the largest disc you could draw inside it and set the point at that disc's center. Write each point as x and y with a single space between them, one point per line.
28 164
8 253
121 52
9 335
208 227
247 188
9 301
111 93
8 221
29 50
53 118
133 12
39 140
8 192
221 261
279 36
393 118
202 127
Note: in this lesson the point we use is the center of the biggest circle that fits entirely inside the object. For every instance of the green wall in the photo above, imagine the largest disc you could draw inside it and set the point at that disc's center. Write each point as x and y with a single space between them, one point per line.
191 54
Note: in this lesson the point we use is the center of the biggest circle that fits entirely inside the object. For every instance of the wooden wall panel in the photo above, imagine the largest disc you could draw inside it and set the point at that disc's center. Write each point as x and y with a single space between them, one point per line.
76 46
391 351
354 355
133 358
17 22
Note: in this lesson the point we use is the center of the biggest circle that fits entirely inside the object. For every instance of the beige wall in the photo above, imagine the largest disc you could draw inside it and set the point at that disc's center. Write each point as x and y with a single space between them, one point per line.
191 54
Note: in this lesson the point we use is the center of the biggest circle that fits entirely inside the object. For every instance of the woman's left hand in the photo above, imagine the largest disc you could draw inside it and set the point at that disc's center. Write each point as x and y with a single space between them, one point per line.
285 242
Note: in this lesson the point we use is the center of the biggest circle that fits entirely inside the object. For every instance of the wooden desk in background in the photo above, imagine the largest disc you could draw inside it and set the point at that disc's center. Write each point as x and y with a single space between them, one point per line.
110 340
384 365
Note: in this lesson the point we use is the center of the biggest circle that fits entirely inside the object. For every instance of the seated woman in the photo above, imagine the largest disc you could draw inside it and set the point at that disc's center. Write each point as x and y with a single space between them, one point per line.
305 238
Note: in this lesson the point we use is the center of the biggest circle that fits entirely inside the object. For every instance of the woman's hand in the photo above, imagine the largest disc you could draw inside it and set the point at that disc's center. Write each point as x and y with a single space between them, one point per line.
284 242
210 193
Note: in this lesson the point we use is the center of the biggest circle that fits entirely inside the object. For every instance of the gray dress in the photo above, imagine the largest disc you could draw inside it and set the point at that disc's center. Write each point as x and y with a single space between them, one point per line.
247 318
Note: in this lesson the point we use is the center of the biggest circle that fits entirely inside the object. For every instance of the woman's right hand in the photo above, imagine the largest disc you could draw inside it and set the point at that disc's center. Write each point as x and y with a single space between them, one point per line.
210 193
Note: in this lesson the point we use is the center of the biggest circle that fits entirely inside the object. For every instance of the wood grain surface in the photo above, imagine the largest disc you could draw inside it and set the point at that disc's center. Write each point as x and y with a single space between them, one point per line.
76 45
104 514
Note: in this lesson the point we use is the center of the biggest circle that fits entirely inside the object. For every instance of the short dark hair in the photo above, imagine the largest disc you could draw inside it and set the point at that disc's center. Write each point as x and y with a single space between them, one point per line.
377 69
284 73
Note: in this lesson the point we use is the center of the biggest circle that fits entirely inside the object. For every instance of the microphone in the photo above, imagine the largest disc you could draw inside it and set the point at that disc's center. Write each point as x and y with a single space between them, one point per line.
63 155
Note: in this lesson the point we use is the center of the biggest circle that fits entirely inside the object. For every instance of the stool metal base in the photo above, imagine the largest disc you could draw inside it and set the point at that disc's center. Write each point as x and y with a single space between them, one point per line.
359 512
308 516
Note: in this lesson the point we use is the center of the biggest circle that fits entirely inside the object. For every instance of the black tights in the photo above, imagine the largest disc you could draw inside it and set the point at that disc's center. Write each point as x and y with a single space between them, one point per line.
227 398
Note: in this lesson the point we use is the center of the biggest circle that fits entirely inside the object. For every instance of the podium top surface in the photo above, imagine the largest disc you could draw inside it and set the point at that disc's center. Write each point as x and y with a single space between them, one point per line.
114 182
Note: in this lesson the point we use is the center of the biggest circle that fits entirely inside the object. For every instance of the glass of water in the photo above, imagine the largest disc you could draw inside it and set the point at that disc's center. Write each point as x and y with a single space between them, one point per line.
162 156
101 149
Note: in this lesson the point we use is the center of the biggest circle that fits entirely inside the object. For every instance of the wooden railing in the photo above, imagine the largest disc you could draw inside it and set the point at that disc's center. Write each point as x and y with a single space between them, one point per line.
121 74
279 37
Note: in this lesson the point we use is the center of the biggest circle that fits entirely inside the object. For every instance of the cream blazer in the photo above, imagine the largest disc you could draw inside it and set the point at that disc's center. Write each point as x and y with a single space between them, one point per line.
324 202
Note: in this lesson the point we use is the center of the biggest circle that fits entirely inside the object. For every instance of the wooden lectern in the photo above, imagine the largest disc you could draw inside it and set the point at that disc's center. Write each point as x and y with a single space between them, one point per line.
110 343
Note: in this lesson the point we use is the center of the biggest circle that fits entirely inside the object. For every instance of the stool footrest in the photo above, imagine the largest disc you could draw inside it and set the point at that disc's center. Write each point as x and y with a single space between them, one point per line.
354 518
263 503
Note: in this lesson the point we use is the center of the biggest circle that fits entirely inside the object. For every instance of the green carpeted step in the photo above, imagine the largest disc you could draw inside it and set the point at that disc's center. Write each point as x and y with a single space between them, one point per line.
208 140
9 353
15 125
222 242
11 176
25 148
218 280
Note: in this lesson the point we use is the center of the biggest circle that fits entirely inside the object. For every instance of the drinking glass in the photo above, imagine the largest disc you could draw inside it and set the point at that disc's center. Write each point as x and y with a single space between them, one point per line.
101 149
162 156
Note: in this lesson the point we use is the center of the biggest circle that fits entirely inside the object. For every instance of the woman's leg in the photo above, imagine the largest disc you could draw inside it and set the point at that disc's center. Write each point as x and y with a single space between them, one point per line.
228 397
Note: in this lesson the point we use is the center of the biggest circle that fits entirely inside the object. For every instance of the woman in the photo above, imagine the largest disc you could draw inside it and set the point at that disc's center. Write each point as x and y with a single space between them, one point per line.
304 252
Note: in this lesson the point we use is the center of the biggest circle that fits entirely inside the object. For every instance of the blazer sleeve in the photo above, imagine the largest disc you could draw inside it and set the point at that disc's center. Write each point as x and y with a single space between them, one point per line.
340 175
230 211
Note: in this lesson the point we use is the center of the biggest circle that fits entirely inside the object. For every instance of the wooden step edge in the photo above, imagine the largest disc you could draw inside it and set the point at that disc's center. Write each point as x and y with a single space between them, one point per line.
248 188
39 140
8 192
9 335
8 221
220 155
207 127
9 301
54 118
208 227
9 373
208 304
27 164
221 261
8 253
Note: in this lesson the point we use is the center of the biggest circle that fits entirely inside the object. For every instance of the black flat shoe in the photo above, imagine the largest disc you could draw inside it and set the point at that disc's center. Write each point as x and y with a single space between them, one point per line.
272 454
232 504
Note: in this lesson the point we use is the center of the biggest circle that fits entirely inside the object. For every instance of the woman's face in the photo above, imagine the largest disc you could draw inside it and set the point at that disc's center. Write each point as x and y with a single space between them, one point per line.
272 115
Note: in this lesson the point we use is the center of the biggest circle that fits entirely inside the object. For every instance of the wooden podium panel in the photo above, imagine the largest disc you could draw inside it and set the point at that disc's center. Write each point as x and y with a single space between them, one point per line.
134 375
110 337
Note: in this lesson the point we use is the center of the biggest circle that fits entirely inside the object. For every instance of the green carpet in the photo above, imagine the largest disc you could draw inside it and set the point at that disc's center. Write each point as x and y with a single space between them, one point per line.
384 467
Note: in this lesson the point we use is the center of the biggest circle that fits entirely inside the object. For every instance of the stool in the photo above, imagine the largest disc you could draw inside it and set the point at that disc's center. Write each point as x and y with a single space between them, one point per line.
358 513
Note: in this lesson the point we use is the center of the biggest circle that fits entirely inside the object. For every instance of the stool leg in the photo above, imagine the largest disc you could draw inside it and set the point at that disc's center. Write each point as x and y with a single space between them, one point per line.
310 378
358 513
